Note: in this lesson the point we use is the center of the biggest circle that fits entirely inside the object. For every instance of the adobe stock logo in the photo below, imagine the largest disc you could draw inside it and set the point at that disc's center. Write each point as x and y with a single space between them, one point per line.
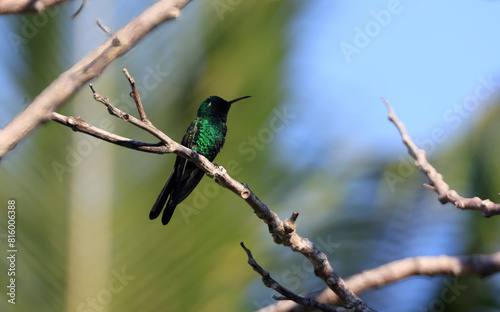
448 294
221 7
363 36
103 298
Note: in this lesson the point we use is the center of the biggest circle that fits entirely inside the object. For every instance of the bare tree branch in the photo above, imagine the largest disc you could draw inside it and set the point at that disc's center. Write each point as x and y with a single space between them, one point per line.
283 232
437 184
78 124
287 294
481 265
40 110
26 6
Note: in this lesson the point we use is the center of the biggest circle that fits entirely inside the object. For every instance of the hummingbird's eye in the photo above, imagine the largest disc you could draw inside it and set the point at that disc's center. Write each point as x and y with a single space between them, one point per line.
210 104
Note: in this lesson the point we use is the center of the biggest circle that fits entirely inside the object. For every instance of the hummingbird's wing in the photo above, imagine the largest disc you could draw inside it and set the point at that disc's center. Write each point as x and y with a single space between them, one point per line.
182 180
173 182
189 175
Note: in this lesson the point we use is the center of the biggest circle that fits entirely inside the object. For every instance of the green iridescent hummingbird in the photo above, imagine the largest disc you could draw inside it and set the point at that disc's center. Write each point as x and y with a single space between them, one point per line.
206 135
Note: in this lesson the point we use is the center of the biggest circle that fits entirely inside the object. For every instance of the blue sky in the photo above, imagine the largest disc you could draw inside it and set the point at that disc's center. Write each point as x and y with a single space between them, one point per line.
436 62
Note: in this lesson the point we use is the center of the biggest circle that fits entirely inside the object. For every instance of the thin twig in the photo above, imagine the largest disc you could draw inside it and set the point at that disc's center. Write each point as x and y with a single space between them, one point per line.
283 232
287 294
79 9
103 27
136 96
436 181
145 125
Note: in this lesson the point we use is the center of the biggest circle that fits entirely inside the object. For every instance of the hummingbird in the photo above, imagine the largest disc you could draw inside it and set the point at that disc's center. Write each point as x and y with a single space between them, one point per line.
206 135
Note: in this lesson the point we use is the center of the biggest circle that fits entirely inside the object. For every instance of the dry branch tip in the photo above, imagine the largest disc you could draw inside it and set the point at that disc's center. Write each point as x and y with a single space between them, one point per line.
436 180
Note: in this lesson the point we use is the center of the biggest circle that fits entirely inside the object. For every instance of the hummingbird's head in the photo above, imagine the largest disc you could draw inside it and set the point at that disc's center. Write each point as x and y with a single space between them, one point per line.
215 106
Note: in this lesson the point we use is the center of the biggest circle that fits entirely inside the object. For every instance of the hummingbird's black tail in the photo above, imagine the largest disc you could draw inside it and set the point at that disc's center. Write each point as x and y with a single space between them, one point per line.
168 212
162 199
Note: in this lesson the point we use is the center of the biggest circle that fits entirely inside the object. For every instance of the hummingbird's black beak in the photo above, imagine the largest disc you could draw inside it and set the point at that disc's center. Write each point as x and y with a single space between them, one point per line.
236 100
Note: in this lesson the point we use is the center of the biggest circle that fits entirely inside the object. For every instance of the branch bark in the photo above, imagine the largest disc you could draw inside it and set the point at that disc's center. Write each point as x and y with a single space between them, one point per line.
437 183
283 232
26 6
481 265
61 89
